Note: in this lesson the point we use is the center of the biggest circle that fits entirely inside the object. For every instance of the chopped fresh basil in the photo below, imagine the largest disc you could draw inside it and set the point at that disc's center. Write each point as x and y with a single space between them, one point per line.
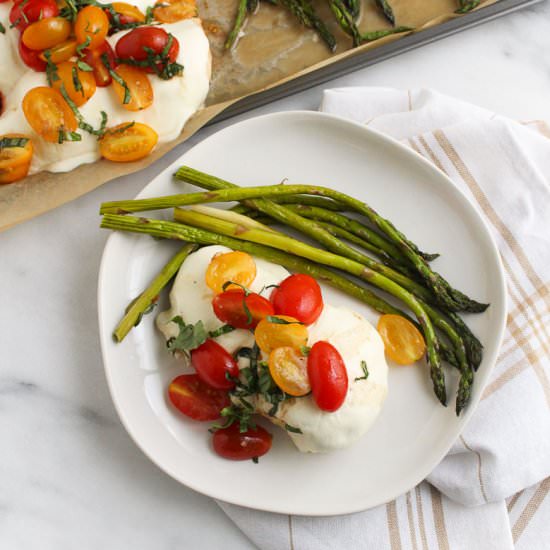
83 66
2 29
224 329
76 81
279 321
189 337
235 413
365 372
118 79
83 46
304 350
292 429
6 142
82 124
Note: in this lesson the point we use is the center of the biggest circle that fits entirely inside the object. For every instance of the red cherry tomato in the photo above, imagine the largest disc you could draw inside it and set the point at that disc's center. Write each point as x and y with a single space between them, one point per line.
22 14
31 58
211 362
229 307
327 375
195 399
298 296
94 58
136 43
231 443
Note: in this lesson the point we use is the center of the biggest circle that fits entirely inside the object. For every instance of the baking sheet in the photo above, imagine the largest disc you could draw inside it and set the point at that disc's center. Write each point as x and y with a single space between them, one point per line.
275 56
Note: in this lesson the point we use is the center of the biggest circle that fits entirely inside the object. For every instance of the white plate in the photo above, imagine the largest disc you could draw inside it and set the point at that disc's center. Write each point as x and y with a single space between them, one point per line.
414 431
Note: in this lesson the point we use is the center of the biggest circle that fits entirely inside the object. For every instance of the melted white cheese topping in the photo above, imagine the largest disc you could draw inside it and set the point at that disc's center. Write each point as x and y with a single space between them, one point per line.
175 100
349 332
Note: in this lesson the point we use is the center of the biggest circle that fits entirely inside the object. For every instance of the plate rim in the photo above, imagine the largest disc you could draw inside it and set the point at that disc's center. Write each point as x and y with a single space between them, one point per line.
466 415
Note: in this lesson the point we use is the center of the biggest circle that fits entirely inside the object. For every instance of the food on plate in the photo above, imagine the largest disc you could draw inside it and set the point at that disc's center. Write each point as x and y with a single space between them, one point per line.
312 376
82 80
300 359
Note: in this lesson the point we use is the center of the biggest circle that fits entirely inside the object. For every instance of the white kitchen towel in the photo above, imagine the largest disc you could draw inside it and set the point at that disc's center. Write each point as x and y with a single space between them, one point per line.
492 489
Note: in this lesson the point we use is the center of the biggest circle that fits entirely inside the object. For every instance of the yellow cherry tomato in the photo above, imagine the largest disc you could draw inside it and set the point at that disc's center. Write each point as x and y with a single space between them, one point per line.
235 266
91 26
48 113
171 11
15 160
137 92
79 85
277 331
61 52
288 368
128 142
128 13
403 342
46 33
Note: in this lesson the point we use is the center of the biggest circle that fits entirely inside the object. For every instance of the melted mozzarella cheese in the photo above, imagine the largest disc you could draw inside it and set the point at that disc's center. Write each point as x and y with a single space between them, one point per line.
191 298
356 340
349 332
175 100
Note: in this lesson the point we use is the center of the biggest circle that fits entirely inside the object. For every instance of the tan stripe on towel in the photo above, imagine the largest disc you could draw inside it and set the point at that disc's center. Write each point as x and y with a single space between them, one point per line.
410 518
393 525
439 519
513 500
504 231
479 476
530 509
420 514
484 203
431 154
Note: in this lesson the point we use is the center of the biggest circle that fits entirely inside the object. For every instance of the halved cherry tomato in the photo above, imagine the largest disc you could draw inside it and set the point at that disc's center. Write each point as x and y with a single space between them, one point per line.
91 26
403 342
288 369
235 266
95 58
298 296
233 444
171 11
279 331
14 161
31 58
48 113
237 309
327 375
61 52
137 44
195 399
46 33
138 92
69 75
128 142
22 14
212 362
127 13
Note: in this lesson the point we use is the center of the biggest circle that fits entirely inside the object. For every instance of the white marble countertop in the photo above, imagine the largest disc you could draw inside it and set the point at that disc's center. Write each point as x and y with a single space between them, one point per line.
70 477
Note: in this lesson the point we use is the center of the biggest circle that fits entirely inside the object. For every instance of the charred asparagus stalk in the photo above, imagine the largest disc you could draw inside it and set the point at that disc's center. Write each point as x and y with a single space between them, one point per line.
144 301
386 10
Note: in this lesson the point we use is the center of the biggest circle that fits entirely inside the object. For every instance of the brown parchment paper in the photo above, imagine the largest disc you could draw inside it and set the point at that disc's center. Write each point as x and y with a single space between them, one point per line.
273 49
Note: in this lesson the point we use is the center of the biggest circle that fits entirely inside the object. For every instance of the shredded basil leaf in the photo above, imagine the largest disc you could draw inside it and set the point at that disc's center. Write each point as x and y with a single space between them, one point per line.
365 372
189 338
2 29
292 429
6 142
279 321
224 329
